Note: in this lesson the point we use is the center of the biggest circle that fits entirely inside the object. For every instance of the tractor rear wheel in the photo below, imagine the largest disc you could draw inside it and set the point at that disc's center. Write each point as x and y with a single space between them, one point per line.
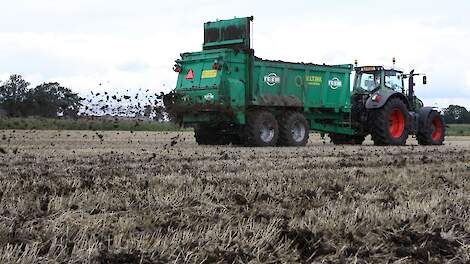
340 139
207 135
261 129
293 130
389 125
434 130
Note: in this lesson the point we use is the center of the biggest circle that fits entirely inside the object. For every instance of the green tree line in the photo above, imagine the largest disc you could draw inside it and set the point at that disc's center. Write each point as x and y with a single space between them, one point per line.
456 114
17 99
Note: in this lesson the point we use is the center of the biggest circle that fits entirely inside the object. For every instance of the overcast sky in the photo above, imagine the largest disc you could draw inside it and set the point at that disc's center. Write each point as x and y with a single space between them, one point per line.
133 44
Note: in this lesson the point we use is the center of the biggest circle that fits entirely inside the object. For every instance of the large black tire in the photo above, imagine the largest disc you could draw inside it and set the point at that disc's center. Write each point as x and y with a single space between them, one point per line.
340 139
207 135
236 140
261 129
389 125
293 130
202 135
434 130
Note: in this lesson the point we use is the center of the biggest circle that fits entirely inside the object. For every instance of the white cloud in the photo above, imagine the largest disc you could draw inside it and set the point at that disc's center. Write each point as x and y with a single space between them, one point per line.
133 66
4 76
82 61
124 45
468 80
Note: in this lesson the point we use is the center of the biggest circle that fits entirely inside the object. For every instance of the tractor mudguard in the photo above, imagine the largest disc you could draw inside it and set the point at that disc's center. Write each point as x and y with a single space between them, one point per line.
384 96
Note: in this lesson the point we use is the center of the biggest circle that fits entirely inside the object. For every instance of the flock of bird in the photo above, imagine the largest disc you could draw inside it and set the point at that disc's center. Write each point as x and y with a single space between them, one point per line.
131 104
115 104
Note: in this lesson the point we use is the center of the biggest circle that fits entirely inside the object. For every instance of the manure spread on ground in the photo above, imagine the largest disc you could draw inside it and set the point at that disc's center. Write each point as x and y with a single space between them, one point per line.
145 197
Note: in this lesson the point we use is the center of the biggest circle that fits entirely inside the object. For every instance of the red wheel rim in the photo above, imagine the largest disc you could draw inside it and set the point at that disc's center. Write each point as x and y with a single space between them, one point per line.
437 129
397 123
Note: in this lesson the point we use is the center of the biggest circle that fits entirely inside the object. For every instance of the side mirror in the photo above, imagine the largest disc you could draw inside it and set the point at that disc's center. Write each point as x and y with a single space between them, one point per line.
425 79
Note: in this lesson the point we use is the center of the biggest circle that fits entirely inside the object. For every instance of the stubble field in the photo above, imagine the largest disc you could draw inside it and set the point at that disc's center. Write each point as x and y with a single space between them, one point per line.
143 197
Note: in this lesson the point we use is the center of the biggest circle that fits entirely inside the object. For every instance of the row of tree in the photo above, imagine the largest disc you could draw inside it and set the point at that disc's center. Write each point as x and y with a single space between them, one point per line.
456 114
17 99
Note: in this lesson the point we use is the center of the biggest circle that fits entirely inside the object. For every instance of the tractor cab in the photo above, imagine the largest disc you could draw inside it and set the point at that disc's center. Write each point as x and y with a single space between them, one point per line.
370 79
377 83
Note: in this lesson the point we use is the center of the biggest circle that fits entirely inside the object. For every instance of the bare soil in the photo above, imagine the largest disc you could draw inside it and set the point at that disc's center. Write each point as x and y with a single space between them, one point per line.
142 197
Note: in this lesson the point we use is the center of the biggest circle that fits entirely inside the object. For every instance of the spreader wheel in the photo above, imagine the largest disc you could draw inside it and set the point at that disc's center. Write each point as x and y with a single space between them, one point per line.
434 130
293 129
261 129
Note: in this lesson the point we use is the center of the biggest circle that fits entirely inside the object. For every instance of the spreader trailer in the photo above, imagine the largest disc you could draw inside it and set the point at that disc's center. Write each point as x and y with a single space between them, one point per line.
230 96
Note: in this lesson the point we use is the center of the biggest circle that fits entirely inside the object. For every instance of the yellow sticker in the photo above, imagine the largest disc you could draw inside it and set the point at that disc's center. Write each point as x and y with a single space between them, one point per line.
313 80
209 74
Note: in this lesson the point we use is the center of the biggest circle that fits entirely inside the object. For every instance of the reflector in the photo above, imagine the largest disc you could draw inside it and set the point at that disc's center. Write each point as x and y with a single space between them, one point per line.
190 75
177 68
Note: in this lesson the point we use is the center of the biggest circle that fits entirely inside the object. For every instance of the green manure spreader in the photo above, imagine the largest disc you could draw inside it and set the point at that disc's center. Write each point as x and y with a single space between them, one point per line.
230 96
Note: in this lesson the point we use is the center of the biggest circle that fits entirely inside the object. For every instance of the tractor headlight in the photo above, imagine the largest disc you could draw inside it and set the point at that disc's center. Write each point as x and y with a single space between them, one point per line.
376 98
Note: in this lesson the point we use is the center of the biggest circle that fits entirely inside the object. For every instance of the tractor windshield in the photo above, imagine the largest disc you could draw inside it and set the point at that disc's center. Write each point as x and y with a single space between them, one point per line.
367 81
394 80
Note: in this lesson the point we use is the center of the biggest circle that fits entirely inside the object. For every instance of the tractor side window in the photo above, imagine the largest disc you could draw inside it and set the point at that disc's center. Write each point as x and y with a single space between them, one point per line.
367 81
394 81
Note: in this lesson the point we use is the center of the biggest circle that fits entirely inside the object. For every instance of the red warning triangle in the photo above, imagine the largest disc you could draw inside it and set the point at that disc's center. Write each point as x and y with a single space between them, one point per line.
190 75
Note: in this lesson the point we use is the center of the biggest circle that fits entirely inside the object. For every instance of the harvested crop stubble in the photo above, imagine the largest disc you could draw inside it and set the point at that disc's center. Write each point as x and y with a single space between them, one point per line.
148 197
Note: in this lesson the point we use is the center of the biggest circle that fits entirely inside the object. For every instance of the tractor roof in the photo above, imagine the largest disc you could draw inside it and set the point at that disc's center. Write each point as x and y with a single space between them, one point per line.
376 68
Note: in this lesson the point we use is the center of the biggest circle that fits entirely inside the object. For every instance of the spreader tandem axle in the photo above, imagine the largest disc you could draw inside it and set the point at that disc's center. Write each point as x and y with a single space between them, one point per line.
230 96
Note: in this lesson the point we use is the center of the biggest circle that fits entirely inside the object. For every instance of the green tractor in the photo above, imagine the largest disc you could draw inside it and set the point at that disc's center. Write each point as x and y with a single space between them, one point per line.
230 96
383 107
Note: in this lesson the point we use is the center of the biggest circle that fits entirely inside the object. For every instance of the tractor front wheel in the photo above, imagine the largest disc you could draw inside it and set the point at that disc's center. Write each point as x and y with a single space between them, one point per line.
389 125
434 130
